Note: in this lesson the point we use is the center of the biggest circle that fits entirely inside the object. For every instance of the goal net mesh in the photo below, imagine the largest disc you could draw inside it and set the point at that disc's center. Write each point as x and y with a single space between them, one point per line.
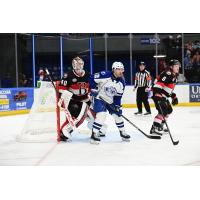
41 124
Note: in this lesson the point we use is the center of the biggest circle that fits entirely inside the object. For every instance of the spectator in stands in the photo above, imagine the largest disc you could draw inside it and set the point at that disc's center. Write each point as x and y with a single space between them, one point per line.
22 80
190 60
196 59
196 45
55 73
162 65
41 74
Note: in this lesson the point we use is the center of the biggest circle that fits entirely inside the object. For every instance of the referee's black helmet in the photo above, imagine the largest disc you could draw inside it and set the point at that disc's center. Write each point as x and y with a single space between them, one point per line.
142 63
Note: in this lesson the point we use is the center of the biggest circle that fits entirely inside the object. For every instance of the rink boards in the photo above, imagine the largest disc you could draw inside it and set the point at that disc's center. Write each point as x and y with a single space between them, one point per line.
188 95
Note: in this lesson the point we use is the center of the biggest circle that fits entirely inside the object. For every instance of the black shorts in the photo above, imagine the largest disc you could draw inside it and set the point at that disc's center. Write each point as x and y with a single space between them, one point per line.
164 107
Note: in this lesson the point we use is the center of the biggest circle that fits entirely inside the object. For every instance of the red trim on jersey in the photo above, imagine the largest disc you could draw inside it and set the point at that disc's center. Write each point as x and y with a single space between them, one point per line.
61 87
171 85
76 86
160 84
158 77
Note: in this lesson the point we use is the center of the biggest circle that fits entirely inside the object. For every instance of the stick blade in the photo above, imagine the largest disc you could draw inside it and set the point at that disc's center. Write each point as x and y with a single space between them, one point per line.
175 142
157 137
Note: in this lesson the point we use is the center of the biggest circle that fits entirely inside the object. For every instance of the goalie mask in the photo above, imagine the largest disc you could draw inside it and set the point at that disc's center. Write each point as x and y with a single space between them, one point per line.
77 64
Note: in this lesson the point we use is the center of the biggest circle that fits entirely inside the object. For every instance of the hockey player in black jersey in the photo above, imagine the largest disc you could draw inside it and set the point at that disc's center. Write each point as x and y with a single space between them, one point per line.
162 90
74 90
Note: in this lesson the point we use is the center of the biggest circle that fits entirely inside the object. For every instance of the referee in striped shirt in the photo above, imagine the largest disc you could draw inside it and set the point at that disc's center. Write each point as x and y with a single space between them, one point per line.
143 85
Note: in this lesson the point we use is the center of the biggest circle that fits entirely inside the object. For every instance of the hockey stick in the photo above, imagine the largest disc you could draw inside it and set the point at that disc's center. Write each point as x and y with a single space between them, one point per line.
174 142
67 113
146 135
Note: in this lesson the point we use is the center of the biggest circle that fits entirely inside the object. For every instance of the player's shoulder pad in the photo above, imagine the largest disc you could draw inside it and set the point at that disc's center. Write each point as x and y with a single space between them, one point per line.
168 73
103 74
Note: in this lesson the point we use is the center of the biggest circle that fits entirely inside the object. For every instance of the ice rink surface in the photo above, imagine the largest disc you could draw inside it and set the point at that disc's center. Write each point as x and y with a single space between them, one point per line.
184 124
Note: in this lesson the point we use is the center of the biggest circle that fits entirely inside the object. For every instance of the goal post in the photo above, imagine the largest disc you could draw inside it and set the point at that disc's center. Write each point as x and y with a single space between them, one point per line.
57 111
44 118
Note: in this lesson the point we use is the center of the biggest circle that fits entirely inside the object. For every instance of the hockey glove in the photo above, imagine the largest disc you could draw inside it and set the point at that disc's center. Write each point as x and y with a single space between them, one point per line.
117 109
174 99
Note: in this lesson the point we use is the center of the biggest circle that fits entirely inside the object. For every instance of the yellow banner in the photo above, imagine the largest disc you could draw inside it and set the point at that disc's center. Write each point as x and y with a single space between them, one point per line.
4 101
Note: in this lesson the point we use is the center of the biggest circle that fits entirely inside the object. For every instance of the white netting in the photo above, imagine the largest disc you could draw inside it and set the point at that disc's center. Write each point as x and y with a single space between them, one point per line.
41 125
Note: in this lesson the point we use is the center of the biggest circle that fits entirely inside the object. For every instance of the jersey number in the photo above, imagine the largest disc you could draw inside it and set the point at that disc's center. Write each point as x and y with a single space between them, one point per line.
164 78
82 88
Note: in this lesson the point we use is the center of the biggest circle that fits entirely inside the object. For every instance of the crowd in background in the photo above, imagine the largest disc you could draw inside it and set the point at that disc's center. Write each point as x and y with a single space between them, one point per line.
192 61
191 67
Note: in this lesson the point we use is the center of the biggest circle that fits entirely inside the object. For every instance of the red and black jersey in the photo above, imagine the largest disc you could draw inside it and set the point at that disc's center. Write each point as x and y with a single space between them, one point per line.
165 84
78 85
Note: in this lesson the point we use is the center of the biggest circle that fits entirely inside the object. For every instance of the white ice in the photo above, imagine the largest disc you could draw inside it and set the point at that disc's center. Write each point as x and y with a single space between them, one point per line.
184 124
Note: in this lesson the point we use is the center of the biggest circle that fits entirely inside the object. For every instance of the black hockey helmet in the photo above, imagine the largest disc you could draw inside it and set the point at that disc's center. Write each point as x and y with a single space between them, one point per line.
174 62
142 63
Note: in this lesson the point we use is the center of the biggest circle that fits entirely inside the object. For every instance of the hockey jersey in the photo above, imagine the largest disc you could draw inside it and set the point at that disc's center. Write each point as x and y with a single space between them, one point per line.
109 88
78 85
165 84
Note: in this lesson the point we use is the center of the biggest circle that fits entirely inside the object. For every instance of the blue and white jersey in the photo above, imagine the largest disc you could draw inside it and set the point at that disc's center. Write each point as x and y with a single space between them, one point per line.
109 88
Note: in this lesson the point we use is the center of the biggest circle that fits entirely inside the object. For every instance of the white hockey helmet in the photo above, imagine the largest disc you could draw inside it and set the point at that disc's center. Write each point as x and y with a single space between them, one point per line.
117 65
77 63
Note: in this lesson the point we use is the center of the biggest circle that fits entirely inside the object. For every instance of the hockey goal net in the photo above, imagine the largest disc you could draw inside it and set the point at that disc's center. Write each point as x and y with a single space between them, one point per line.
43 122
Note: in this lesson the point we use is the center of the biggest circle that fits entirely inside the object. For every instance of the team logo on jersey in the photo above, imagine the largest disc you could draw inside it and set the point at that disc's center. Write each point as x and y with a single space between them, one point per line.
74 80
110 91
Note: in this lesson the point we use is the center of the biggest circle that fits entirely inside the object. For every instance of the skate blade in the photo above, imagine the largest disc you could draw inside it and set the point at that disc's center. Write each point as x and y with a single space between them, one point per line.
156 133
126 140
94 142
101 135
67 140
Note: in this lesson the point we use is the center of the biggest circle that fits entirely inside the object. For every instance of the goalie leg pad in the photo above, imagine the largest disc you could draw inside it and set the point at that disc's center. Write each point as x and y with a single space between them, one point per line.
65 99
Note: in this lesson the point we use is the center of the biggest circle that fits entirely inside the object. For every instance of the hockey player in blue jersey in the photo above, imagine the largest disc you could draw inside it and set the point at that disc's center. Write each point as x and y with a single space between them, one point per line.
107 89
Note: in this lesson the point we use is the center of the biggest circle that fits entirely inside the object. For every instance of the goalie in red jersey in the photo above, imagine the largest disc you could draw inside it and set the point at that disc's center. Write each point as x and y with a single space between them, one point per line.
162 90
74 90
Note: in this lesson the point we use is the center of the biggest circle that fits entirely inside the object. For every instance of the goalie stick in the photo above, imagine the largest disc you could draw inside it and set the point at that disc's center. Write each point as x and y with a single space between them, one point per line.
67 113
146 135
174 142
